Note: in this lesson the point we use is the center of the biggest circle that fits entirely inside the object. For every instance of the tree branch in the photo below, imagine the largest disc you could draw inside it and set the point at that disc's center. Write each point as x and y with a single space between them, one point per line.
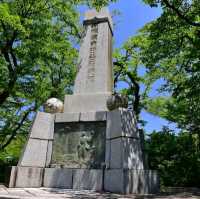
14 132
136 101
178 12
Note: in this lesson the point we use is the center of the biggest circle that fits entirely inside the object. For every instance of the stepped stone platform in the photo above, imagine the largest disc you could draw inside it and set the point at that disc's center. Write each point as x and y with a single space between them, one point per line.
28 193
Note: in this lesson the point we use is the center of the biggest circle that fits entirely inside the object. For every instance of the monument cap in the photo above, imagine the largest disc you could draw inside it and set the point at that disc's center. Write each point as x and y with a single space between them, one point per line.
93 16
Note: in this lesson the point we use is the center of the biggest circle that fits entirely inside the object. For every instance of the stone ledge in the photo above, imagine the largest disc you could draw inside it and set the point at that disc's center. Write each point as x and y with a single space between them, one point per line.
67 117
86 102
93 116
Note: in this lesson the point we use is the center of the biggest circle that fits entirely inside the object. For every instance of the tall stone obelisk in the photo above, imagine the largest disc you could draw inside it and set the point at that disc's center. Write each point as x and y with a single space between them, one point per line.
94 81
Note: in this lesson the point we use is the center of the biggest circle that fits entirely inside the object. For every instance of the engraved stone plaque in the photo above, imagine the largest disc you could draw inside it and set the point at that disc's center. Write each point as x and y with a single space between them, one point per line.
79 145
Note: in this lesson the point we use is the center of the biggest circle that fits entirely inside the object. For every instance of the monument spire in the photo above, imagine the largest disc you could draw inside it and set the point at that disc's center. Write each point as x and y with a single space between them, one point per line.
95 57
94 81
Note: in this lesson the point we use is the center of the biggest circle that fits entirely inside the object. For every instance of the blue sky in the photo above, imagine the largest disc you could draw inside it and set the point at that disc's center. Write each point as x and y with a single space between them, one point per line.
134 14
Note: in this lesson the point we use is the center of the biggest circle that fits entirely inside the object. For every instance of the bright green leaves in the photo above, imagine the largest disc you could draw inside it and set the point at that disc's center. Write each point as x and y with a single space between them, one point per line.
176 157
170 50
37 57
9 19
98 4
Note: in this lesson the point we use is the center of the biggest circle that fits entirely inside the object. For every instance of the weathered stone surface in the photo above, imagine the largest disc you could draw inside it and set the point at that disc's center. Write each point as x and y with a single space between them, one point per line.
108 153
95 65
93 116
114 125
117 101
116 153
43 126
129 123
125 153
128 181
88 179
13 175
53 105
35 153
58 178
67 117
49 153
132 154
114 180
121 123
85 103
141 181
29 177
92 16
79 145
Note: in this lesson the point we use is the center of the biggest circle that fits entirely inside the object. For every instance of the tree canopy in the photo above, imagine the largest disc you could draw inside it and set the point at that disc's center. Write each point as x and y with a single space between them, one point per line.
38 55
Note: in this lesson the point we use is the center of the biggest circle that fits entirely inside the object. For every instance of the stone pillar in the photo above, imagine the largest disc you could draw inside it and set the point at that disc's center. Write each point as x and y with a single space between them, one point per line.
95 56
125 170
93 83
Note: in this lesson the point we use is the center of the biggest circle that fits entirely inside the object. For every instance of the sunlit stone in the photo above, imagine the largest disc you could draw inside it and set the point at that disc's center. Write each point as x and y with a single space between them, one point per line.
53 105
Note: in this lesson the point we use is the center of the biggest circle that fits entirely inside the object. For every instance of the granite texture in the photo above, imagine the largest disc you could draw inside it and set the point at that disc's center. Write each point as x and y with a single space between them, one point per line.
35 153
58 178
88 179
27 177
134 181
43 126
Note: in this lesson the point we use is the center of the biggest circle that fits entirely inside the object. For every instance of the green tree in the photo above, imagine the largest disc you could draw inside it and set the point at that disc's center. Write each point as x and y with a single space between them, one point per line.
37 58
176 157
170 49
127 66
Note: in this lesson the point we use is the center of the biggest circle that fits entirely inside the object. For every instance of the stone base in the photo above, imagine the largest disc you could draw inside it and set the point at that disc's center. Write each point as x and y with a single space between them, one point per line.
125 181
131 181
22 177
86 103
77 179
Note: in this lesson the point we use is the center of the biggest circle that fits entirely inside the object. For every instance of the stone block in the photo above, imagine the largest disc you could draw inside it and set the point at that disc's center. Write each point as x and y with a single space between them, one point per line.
121 123
114 125
107 153
43 126
67 117
93 15
89 179
125 153
93 116
131 181
13 176
116 153
35 153
49 153
114 180
29 177
85 103
58 178
141 182
132 154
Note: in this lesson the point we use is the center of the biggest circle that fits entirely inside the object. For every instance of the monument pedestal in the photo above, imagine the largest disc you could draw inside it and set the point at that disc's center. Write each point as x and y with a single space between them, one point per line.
120 170
86 102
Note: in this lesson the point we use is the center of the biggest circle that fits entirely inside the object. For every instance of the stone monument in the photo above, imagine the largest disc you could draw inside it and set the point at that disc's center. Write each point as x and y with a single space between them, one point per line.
87 146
